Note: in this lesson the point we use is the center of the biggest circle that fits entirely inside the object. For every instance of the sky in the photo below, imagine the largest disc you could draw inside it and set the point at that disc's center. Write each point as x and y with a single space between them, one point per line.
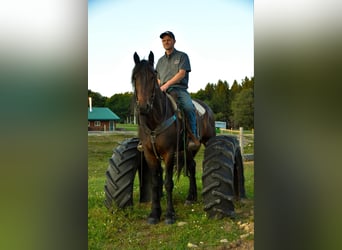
217 35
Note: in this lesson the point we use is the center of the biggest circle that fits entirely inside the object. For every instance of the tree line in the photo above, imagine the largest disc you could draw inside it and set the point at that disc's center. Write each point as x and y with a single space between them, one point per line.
232 104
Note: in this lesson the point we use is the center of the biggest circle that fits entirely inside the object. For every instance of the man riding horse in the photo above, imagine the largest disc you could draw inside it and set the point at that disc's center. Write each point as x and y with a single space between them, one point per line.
173 75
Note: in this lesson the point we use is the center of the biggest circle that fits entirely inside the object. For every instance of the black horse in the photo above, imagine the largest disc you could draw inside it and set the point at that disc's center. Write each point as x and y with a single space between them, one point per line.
160 132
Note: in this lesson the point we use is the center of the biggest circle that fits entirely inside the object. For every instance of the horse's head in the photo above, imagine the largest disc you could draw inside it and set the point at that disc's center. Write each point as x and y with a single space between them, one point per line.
144 82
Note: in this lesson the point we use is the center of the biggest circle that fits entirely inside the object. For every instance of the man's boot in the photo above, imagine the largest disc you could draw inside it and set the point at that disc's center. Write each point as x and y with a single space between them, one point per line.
194 144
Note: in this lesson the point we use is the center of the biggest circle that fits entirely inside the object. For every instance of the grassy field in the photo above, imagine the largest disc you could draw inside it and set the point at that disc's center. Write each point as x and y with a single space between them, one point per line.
128 229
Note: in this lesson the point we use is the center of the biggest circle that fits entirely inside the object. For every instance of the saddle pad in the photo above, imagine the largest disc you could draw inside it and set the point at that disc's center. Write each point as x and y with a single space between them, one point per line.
199 108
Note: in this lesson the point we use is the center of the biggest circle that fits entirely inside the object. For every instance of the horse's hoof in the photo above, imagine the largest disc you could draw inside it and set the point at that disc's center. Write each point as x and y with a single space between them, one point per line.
188 202
170 221
152 221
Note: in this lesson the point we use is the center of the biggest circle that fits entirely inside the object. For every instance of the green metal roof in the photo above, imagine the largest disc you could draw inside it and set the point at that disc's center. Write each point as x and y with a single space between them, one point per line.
100 113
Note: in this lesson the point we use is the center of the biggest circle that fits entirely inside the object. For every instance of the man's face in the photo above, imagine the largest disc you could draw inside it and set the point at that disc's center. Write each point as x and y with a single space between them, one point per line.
168 42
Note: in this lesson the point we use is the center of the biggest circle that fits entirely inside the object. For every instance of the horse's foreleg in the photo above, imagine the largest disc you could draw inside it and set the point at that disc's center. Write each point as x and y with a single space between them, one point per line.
154 216
170 216
192 195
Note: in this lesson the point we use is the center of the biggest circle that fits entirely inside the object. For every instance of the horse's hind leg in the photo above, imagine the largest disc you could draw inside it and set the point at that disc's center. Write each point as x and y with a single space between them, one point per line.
192 195
170 216
154 216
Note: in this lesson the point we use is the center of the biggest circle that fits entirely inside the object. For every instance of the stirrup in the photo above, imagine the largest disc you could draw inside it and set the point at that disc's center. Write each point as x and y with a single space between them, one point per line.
140 147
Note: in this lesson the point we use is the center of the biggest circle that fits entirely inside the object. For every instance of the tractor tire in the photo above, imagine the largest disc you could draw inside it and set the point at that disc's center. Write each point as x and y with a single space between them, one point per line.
218 177
239 177
121 172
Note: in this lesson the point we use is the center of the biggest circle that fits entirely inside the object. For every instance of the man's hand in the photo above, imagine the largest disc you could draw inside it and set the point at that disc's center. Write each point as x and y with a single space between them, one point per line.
175 79
163 88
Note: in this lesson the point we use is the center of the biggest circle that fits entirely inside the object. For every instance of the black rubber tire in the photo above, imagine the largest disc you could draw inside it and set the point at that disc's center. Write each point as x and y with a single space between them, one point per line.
218 177
120 174
239 177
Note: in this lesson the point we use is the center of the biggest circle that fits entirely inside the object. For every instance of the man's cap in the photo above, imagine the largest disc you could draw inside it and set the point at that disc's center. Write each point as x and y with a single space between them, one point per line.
167 33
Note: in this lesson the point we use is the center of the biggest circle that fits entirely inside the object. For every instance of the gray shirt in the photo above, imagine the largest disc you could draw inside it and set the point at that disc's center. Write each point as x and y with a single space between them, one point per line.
168 66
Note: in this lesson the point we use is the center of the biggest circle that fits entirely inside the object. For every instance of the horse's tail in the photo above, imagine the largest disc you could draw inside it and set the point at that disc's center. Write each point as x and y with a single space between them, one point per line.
178 164
180 155
181 164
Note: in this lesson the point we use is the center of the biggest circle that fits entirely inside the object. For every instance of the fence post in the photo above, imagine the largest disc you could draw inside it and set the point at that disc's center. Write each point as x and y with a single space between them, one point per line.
241 140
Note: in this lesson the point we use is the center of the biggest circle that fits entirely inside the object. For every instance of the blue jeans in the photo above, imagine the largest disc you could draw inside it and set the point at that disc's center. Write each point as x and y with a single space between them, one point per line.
185 103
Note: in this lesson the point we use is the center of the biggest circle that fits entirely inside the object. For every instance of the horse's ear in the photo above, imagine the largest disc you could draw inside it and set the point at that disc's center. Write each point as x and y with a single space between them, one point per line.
151 58
136 58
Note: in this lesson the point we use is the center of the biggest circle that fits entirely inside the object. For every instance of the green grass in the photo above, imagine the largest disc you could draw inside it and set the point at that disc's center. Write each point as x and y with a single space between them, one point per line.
128 229
127 127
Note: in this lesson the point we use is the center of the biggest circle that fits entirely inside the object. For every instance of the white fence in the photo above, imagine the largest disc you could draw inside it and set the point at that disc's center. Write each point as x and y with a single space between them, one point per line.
244 137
